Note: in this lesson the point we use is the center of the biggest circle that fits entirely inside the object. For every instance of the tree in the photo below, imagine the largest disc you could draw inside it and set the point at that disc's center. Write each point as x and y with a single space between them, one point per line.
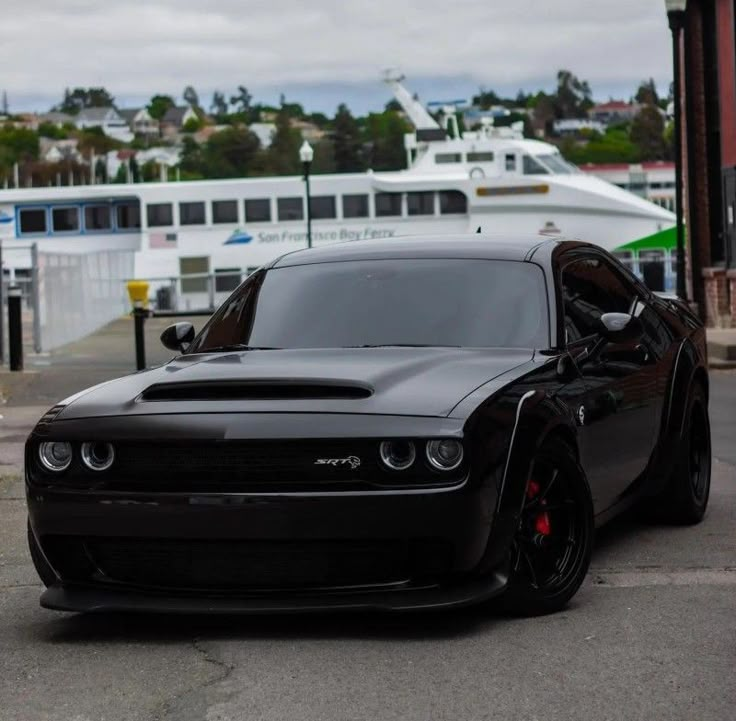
158 105
50 130
219 105
193 125
17 145
647 133
190 96
385 138
612 147
647 93
80 98
241 100
486 98
346 142
283 153
573 97
227 154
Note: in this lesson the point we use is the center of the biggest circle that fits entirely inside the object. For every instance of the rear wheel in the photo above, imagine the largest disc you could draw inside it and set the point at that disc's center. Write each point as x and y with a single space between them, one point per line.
685 497
551 550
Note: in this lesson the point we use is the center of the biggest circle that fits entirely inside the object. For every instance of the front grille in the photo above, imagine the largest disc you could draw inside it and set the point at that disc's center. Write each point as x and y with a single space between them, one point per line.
247 466
229 566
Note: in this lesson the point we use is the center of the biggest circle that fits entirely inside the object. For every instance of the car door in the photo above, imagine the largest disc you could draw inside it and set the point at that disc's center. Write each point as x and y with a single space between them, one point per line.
617 416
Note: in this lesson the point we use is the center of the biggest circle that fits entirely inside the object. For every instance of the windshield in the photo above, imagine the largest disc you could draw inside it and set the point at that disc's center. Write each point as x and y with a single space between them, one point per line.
557 164
418 302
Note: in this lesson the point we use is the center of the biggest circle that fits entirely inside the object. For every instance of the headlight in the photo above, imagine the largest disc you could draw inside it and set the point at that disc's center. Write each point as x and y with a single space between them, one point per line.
55 455
98 456
398 455
445 455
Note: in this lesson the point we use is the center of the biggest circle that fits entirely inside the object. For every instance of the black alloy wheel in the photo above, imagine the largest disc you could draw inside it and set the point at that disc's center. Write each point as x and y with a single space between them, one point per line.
551 550
685 497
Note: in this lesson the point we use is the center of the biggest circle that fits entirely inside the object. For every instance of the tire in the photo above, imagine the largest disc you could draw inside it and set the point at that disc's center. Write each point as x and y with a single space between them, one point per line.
550 554
685 497
44 571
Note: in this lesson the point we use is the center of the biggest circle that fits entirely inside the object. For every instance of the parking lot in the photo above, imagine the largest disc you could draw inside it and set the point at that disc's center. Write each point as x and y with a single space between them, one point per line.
651 635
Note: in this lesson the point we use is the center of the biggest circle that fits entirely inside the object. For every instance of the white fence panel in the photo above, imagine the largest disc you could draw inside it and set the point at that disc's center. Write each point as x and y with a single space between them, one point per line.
79 293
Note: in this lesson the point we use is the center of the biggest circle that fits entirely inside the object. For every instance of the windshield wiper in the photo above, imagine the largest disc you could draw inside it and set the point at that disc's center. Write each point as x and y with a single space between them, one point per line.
235 347
400 345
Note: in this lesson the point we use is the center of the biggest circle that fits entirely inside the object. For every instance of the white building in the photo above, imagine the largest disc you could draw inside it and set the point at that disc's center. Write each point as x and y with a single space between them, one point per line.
264 132
112 123
140 121
575 126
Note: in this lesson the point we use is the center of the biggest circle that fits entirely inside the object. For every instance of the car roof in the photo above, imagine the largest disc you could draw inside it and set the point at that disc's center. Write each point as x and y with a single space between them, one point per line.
469 245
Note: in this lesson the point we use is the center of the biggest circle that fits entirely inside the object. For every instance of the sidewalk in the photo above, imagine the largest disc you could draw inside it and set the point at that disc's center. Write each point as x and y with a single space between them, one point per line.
722 347
108 353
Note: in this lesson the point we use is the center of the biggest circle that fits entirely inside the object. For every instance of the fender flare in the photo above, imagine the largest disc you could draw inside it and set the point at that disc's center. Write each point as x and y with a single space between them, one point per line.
534 423
679 388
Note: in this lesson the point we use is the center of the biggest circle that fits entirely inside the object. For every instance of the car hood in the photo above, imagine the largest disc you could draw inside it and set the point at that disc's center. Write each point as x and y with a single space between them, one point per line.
391 381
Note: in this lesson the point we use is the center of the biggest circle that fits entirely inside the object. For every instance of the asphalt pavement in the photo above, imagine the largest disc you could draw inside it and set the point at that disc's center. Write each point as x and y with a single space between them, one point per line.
651 635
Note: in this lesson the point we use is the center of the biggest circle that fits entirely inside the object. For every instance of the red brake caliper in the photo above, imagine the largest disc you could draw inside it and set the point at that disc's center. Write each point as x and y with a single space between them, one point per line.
542 524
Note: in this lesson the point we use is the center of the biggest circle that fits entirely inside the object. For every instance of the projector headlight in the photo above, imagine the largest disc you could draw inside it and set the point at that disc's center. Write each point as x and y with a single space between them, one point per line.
445 455
98 456
398 455
55 455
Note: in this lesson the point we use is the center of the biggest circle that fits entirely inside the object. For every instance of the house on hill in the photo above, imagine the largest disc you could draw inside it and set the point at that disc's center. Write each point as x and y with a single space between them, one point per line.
112 123
140 122
176 118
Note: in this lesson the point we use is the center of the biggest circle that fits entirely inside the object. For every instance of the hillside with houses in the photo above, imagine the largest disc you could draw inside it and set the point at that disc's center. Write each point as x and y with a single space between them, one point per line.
90 138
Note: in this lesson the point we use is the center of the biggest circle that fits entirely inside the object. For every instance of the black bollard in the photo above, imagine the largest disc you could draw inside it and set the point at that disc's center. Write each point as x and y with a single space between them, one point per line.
15 328
139 318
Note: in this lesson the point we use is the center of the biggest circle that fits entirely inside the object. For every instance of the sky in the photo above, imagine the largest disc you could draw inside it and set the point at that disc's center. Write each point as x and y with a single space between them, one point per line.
323 52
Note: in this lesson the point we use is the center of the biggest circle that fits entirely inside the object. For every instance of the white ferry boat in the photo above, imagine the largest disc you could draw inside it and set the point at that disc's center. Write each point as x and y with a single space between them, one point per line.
492 178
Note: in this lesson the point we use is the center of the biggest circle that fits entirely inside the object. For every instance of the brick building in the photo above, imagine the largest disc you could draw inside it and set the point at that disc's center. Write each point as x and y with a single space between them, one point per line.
708 70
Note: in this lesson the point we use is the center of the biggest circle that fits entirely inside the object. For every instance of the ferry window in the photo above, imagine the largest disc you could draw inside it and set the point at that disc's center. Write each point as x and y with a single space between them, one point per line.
322 206
160 214
420 203
510 162
354 206
258 210
388 204
97 217
442 158
32 220
191 213
480 157
194 266
224 211
290 208
226 279
128 216
453 201
65 220
533 167
557 163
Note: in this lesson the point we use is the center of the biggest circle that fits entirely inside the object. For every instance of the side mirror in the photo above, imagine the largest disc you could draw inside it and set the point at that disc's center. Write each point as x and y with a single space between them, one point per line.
619 327
178 337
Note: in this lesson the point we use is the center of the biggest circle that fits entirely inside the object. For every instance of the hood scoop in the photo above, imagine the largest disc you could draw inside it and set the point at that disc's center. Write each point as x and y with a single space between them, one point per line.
262 390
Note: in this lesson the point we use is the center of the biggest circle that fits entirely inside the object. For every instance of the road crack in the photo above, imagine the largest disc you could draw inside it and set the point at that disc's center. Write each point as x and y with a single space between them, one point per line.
224 670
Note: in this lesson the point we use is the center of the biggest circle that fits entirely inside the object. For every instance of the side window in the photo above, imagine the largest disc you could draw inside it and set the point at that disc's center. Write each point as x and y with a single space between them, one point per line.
590 288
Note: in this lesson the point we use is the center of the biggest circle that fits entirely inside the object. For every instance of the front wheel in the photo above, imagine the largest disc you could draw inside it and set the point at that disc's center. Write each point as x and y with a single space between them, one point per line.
551 550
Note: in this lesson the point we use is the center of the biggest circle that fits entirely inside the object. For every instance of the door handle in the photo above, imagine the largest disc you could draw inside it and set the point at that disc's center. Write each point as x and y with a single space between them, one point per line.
643 352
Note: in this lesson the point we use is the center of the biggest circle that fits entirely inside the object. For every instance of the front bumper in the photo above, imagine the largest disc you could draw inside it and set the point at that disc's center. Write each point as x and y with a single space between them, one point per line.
419 550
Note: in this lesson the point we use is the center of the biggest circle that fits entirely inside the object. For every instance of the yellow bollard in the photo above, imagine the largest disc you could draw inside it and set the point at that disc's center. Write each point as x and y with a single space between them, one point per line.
138 293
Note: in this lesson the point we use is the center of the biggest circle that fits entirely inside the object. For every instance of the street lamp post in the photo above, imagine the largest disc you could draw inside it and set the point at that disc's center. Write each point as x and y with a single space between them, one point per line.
676 18
306 155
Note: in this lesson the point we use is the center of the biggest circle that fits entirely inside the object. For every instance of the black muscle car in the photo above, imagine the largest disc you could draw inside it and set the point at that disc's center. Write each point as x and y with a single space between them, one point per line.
389 424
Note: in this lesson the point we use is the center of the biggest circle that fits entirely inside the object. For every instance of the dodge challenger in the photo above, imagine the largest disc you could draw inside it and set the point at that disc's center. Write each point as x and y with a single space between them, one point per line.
388 424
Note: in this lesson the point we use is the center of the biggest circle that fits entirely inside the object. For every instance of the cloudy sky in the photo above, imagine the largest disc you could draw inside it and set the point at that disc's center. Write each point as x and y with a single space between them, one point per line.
320 52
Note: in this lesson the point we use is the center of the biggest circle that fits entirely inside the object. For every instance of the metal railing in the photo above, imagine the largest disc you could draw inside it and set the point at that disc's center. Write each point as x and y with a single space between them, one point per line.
192 291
